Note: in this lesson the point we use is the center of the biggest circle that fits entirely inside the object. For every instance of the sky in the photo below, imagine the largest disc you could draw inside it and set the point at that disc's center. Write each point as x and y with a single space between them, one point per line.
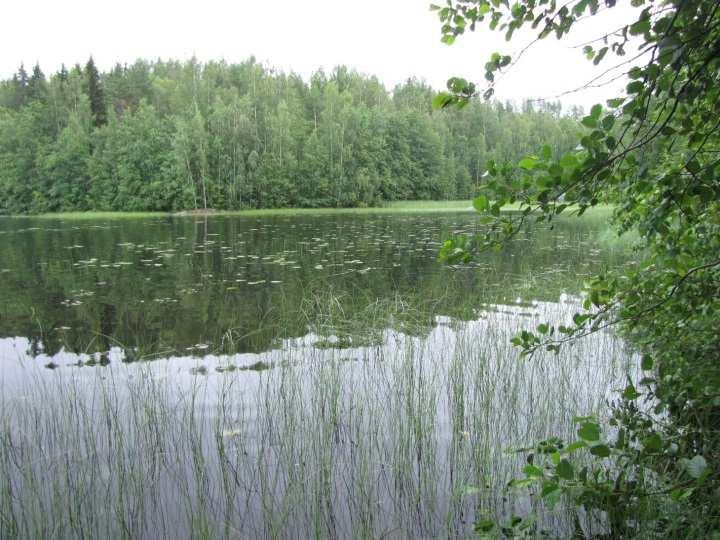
393 39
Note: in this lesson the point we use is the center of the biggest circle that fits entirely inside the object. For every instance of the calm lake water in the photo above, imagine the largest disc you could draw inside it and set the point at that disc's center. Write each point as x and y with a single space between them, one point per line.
283 376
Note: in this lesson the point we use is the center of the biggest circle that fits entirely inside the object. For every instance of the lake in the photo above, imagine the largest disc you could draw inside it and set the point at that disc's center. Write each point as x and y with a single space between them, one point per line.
284 376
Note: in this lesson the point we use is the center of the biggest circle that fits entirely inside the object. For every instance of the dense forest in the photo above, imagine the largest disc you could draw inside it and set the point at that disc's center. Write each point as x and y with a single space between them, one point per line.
171 135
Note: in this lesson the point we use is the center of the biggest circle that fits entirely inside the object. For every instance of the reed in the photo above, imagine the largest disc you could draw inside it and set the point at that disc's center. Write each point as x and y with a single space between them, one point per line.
394 434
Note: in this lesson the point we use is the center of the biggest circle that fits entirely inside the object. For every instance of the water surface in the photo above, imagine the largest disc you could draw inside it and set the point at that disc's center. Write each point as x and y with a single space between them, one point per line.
283 376
188 286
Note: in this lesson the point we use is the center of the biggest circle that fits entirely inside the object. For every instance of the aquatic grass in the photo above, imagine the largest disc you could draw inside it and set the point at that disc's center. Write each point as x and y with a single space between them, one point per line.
408 435
377 395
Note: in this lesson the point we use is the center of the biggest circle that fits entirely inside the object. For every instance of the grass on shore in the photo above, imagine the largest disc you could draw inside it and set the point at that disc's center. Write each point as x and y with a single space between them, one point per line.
392 207
395 207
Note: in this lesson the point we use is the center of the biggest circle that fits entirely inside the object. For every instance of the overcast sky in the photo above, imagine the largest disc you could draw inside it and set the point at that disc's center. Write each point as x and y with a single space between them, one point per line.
393 39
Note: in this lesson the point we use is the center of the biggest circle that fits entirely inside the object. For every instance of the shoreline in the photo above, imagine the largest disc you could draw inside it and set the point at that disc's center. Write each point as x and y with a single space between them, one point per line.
397 207
391 208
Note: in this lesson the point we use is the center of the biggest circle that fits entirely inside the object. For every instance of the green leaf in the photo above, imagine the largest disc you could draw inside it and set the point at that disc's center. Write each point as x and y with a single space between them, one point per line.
608 122
646 363
569 161
652 443
600 450
532 470
528 163
589 122
442 100
577 445
481 204
630 393
565 470
640 27
458 85
600 55
548 488
589 431
635 87
695 467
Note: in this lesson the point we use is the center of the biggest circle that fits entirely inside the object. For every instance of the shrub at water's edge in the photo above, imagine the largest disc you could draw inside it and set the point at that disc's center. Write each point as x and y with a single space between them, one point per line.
653 151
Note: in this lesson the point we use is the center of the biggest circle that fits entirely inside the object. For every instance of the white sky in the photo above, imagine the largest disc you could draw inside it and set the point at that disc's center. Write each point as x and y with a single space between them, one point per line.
393 39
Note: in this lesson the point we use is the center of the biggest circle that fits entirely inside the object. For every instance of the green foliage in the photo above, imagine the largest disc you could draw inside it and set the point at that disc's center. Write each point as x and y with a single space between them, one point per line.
132 165
95 93
172 136
654 153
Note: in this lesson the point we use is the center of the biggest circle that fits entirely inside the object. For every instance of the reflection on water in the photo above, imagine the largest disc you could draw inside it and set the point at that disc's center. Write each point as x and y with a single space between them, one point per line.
176 286
290 377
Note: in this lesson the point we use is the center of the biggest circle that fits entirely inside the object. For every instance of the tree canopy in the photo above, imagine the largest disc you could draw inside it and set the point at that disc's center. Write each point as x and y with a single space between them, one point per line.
654 153
168 135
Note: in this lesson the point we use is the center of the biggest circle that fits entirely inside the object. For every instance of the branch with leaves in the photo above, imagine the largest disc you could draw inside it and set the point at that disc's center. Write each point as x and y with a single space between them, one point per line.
653 154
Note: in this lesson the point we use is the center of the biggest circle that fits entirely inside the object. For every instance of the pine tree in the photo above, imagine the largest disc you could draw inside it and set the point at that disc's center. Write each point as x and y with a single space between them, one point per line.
95 93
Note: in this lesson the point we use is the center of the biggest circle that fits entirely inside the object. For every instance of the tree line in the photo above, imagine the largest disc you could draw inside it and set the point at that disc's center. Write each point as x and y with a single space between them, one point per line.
170 135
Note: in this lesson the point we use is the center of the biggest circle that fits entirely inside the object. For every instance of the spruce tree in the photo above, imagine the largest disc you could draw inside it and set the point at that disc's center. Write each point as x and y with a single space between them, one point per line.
37 87
63 74
23 76
20 82
95 93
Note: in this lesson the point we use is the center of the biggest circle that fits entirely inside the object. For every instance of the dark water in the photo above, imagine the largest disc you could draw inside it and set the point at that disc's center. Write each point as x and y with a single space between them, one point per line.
284 377
169 286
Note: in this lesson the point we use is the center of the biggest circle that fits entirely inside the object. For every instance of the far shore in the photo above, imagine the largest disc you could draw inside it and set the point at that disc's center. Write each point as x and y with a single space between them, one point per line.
392 207
396 207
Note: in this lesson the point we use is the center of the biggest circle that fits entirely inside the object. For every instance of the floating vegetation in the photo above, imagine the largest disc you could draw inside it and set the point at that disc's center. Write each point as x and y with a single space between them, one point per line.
198 347
228 368
257 366
165 300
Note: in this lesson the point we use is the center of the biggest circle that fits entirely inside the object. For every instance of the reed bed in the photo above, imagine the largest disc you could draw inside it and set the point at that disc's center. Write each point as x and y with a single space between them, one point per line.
396 434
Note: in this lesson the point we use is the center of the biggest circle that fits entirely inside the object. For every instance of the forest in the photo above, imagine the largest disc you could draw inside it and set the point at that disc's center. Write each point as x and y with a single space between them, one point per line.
171 135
